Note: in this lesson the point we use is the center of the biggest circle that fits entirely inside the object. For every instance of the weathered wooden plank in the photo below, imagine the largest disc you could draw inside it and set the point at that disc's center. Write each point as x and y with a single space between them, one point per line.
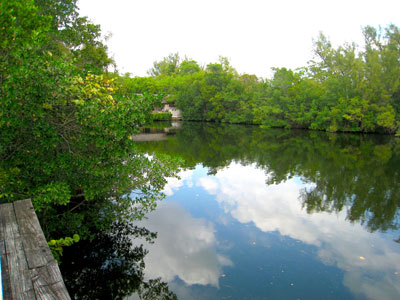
30 269
52 292
4 210
54 272
29 225
33 242
9 227
48 283
38 257
5 277
26 217
20 282
36 249
4 265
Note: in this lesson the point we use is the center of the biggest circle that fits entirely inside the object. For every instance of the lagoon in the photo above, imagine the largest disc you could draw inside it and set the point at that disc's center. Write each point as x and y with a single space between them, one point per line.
275 214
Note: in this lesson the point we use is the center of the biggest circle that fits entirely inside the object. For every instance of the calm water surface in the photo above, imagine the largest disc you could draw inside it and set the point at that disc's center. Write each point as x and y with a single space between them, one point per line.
275 214
268 214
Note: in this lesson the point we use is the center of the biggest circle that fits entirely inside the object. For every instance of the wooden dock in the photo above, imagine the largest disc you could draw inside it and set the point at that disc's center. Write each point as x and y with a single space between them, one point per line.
29 270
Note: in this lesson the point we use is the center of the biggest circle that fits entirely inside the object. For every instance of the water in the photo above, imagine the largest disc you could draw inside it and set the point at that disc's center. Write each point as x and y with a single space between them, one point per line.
274 214
269 214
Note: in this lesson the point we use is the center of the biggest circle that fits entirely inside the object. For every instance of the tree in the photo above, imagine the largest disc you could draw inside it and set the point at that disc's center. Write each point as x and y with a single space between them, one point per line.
189 67
75 36
66 134
168 66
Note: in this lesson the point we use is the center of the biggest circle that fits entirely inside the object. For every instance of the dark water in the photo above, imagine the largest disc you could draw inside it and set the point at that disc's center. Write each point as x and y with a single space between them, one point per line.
276 214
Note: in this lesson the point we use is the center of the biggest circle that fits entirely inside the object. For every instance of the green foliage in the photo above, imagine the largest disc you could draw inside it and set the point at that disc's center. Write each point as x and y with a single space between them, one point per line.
168 66
75 37
55 193
137 85
56 246
66 127
161 116
189 67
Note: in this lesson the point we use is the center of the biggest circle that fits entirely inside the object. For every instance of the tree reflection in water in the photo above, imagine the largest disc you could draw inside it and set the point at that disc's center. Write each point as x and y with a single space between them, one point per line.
356 172
110 267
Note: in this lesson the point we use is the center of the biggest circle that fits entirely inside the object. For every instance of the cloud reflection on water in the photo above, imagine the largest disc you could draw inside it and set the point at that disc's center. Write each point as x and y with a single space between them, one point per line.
242 192
176 183
184 248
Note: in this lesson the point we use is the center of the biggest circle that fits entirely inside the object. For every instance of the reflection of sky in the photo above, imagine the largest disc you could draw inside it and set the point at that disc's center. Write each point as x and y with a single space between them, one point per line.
185 178
185 247
260 225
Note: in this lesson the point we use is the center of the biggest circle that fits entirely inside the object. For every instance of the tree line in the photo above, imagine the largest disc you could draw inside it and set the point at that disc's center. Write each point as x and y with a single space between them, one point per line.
347 88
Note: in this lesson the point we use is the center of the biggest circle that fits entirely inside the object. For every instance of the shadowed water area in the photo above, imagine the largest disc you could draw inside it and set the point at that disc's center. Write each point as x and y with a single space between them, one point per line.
257 214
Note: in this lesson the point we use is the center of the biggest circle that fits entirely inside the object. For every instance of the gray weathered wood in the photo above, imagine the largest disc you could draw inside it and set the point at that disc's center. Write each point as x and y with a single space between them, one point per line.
50 292
5 277
29 269
48 283
4 211
20 282
29 226
38 258
54 271
27 220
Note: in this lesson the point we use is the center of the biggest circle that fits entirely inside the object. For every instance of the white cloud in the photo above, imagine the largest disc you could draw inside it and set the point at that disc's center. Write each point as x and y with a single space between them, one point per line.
184 248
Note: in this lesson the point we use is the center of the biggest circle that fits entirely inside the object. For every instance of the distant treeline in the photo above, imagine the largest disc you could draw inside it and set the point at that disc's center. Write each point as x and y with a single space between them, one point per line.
343 89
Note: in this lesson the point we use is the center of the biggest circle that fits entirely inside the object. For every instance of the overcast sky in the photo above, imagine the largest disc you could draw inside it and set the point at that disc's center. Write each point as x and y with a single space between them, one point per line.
255 35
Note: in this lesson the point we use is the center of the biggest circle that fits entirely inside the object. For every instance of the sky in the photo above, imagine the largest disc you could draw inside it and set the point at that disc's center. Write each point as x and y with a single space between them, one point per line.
255 35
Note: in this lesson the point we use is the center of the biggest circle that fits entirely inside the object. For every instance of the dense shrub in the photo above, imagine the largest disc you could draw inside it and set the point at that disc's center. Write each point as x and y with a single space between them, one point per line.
161 116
